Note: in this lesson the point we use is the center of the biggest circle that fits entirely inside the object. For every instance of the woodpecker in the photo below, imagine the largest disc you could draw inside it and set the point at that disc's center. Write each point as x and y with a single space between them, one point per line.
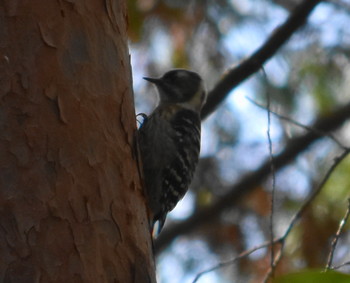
169 141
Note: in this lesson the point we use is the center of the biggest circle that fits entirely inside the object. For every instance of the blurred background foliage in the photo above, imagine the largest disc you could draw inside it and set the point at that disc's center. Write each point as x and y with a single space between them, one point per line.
307 78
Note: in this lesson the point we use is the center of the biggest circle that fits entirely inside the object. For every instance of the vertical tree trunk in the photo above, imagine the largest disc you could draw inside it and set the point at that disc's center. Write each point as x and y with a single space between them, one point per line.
71 205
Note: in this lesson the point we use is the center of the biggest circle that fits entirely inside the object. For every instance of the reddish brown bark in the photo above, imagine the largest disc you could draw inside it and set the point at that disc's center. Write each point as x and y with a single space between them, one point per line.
71 206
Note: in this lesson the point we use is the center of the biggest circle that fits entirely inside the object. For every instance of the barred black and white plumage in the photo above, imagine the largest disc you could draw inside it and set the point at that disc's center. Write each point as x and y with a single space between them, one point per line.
169 141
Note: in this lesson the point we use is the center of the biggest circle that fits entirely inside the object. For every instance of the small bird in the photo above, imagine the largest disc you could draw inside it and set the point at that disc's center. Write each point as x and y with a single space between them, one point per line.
169 141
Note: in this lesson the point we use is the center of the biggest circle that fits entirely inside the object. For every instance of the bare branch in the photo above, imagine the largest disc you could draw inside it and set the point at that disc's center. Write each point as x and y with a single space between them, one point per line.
313 195
249 182
337 235
341 265
291 225
248 67
272 206
276 260
240 256
308 128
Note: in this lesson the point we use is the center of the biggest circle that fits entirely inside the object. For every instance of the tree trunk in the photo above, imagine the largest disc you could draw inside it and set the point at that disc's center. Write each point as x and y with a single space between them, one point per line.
71 204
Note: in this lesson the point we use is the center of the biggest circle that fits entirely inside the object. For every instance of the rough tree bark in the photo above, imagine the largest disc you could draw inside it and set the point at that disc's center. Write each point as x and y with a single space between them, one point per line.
71 205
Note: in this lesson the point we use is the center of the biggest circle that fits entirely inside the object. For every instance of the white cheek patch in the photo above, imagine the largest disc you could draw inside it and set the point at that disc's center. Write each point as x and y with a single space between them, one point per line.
181 74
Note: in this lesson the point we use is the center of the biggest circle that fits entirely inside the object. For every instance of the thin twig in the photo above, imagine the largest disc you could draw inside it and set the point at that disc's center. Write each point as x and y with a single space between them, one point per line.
291 225
276 260
273 182
343 222
336 238
244 70
250 181
305 127
240 256
341 265
306 204
313 195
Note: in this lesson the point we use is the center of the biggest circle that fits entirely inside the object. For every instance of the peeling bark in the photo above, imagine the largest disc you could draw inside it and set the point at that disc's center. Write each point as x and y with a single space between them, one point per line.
71 204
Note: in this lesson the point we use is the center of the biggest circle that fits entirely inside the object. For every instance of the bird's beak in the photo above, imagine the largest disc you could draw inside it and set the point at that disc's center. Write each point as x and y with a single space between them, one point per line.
153 80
